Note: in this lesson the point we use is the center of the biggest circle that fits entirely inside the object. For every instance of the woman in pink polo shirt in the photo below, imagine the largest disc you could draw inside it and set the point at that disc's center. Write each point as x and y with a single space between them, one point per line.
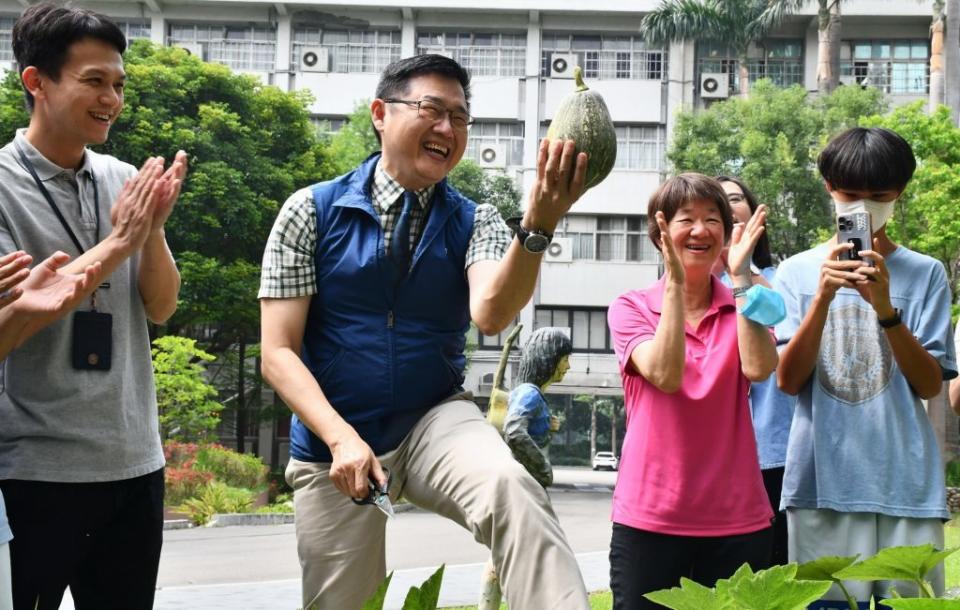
689 499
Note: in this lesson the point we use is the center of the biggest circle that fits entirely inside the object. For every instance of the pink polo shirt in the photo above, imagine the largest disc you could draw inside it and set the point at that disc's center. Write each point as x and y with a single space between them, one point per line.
689 461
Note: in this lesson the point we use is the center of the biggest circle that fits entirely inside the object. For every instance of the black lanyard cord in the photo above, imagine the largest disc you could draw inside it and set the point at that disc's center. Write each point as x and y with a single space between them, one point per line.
46 195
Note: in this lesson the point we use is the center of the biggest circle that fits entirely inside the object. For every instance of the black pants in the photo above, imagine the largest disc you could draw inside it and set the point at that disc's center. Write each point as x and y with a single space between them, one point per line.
641 561
773 482
100 539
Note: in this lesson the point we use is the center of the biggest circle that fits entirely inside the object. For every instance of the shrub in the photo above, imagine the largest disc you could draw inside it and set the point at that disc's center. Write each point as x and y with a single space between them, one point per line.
953 473
183 483
177 454
234 469
216 497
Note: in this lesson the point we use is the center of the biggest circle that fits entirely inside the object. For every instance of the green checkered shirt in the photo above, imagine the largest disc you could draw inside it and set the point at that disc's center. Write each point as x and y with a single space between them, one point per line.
288 261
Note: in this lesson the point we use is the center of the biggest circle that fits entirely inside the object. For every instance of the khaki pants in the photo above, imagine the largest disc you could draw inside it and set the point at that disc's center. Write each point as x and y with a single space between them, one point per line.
454 464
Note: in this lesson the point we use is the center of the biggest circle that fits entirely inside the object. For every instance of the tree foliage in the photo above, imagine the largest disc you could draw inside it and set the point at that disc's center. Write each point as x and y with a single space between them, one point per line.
483 186
185 400
355 141
771 141
927 218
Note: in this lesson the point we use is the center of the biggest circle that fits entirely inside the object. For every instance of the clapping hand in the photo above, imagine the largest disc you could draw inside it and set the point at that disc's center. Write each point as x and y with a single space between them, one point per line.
672 266
50 293
13 270
743 241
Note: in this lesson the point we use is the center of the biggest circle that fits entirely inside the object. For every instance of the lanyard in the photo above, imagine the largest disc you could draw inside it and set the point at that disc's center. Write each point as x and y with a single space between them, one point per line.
53 206
63 221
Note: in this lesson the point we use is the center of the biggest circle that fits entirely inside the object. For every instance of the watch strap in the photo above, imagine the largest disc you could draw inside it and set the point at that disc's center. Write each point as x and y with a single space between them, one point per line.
890 322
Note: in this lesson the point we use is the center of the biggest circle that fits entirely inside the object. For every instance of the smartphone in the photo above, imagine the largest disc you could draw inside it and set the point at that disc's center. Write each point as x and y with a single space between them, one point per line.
855 228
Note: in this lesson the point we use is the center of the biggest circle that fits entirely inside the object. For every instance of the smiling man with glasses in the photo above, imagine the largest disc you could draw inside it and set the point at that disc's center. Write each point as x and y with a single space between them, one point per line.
369 285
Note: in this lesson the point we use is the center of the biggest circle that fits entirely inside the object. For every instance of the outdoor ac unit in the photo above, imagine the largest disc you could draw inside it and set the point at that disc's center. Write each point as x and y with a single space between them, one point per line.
714 85
848 79
560 250
192 48
562 64
492 157
314 59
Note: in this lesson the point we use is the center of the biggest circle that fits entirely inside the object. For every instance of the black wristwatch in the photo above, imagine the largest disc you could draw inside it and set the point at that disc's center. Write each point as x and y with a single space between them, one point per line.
891 321
534 241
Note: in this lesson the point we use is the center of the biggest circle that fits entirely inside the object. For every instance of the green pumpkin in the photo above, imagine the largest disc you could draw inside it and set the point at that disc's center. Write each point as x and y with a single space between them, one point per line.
583 117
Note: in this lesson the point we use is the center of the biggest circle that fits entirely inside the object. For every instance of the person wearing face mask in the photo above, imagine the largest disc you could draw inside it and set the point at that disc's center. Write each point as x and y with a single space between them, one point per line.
771 410
866 343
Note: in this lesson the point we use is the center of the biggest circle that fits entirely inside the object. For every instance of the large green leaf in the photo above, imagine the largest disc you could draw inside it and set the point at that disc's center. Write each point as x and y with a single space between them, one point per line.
824 568
776 589
922 604
896 563
425 597
690 595
376 600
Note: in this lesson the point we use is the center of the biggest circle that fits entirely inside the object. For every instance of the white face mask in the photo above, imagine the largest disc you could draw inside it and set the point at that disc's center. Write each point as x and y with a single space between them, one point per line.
880 211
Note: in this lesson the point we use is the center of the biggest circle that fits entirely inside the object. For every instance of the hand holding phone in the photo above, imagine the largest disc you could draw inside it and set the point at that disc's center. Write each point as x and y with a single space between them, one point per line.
855 228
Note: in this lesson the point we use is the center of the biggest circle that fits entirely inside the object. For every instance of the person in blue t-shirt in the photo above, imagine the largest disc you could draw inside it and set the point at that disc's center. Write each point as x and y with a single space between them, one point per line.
866 343
771 410
528 425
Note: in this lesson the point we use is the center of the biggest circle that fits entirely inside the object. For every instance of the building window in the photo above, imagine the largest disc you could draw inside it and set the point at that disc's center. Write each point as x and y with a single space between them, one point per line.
493 342
606 57
327 126
779 59
641 146
893 66
134 30
588 326
506 136
250 48
482 54
351 51
609 238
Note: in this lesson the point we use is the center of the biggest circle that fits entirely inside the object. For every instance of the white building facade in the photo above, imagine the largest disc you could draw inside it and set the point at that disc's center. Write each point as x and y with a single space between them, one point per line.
521 54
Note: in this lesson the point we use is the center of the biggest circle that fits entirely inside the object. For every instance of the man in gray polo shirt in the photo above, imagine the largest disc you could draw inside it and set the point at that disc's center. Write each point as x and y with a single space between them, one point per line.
81 466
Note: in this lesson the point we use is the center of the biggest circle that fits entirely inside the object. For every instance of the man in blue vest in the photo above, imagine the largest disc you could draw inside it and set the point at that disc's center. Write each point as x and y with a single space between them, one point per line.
369 283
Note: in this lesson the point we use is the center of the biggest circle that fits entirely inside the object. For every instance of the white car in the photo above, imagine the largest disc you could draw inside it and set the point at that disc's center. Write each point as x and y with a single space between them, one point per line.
605 459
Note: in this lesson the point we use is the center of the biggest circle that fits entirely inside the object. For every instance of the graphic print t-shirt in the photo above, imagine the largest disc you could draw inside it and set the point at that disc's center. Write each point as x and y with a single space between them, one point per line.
861 440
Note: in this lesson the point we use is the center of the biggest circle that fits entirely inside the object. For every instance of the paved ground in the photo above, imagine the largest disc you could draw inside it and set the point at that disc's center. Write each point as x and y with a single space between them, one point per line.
256 568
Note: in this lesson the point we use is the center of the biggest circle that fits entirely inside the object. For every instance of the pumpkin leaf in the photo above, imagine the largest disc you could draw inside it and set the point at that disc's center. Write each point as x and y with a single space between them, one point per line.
921 604
425 596
776 589
824 568
376 600
896 563
690 595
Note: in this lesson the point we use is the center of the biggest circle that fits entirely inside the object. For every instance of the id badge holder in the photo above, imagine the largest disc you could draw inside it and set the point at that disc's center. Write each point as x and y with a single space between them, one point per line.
92 348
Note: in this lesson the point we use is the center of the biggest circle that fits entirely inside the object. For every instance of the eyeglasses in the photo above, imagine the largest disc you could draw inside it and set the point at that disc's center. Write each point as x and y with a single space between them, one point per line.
434 112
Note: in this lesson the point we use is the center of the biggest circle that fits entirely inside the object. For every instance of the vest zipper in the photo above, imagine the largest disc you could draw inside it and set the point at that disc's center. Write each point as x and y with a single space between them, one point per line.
390 319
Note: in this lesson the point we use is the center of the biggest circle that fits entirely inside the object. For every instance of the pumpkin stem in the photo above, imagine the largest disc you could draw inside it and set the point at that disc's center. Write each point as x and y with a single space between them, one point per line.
578 77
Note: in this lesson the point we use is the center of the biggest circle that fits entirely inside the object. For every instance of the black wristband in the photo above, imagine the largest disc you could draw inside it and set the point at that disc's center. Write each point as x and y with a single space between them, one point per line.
891 321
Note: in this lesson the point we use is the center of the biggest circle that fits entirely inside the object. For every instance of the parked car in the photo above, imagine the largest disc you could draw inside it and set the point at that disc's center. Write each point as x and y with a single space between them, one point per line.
605 459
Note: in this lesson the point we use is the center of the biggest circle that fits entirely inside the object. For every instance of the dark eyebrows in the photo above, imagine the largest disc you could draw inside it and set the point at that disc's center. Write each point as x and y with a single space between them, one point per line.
433 98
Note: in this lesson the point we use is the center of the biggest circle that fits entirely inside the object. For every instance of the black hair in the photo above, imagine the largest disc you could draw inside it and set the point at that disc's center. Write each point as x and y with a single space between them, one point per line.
44 33
541 355
675 192
761 253
867 159
395 79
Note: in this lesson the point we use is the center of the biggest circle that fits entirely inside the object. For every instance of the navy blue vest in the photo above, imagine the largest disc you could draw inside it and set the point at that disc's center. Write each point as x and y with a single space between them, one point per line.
383 349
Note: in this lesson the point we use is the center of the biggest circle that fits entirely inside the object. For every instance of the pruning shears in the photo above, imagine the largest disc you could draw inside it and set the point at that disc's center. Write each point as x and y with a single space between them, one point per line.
378 496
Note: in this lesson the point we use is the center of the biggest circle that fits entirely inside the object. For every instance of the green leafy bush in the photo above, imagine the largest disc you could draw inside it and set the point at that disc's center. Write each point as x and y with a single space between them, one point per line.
234 469
216 497
793 587
952 473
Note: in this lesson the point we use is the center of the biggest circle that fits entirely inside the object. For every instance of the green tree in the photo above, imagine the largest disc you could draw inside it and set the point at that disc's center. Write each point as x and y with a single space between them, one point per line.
771 140
185 400
355 141
495 188
733 23
927 218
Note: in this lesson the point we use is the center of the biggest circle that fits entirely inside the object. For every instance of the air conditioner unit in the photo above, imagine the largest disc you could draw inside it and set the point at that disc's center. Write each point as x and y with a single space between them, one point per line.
192 48
314 59
848 79
492 156
560 250
562 64
714 85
